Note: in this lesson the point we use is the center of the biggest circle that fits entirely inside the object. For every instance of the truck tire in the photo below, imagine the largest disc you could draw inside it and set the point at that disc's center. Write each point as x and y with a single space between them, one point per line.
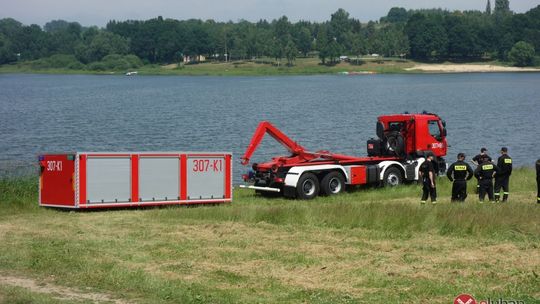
332 183
308 186
392 177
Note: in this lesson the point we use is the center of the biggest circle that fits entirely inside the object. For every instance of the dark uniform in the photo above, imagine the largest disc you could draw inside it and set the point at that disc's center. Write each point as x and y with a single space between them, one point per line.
538 181
485 173
459 173
482 158
427 190
503 177
479 158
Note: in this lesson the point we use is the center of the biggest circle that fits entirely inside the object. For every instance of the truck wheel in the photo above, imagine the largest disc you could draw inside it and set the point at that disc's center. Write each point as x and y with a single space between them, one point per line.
308 186
392 177
332 183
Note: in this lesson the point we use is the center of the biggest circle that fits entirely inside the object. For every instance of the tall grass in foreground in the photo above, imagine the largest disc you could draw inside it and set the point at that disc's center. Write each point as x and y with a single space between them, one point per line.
369 245
395 212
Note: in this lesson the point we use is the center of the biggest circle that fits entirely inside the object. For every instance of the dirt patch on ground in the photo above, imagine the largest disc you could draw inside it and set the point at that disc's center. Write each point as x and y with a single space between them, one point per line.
468 68
58 292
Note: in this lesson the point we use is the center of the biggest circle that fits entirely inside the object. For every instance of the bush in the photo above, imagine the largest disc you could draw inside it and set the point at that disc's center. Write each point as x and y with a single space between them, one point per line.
522 54
116 62
97 66
59 61
135 61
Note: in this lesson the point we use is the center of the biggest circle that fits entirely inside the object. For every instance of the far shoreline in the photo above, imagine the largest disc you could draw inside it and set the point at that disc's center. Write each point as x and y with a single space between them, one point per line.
304 67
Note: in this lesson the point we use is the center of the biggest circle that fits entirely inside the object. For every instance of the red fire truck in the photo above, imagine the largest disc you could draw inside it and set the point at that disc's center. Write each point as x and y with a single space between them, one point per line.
393 158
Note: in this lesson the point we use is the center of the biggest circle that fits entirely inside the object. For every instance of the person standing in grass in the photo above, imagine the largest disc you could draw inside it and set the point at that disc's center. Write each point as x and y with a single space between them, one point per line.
427 175
485 173
477 161
502 180
538 181
459 173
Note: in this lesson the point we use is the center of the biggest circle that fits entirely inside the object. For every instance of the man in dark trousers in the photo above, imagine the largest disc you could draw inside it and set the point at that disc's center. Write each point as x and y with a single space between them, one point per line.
427 175
459 173
477 160
503 176
538 181
485 173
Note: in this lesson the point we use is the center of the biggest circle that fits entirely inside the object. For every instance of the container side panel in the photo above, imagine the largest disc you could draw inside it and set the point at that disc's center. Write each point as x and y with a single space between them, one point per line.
82 179
135 178
205 177
108 179
183 177
159 178
228 177
57 180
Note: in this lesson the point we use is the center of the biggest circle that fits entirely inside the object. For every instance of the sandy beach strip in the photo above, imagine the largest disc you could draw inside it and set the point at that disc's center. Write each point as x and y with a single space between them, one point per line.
468 68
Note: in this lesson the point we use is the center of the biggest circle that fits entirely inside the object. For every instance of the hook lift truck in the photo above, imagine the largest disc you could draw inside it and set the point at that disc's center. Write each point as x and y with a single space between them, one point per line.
404 140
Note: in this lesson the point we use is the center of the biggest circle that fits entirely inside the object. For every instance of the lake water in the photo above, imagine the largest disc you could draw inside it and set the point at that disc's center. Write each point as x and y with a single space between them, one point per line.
57 113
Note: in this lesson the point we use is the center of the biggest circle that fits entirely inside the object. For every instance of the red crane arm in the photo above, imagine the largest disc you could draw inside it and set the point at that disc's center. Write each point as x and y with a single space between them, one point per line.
266 127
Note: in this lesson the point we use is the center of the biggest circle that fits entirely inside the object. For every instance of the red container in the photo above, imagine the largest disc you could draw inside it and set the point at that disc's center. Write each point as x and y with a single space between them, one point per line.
102 180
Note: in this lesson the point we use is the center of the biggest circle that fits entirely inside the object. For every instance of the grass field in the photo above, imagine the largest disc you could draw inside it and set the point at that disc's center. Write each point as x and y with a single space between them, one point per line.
369 245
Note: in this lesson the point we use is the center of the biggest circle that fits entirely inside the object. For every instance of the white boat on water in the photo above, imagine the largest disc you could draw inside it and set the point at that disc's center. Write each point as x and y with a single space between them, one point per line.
132 73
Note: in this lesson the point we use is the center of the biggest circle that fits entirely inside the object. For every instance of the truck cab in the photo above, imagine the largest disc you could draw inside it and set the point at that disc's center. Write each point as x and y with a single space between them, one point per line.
410 136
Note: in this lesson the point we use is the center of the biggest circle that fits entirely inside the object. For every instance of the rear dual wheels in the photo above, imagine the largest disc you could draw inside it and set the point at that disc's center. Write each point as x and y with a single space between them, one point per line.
332 183
308 186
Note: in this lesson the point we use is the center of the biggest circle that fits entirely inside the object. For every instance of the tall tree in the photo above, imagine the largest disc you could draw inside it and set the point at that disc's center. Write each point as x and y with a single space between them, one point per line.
502 6
340 24
304 41
488 7
322 43
396 15
427 36
290 52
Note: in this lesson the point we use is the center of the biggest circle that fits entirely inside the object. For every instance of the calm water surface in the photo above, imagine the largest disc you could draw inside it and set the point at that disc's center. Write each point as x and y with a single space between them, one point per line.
51 113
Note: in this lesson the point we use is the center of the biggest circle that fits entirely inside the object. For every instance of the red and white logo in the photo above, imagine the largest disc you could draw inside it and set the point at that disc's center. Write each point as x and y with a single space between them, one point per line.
464 299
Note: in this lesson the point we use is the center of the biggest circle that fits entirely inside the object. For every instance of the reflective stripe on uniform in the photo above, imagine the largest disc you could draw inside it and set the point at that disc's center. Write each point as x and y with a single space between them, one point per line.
506 193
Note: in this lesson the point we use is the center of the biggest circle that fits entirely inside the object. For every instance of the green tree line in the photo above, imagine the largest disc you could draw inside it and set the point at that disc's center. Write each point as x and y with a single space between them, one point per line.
429 35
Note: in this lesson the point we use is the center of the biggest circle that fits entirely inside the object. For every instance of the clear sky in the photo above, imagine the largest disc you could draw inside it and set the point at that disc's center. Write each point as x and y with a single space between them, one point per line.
98 12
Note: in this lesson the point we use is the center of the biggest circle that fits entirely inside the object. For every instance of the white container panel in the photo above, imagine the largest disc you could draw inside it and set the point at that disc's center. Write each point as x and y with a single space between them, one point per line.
159 178
205 177
108 179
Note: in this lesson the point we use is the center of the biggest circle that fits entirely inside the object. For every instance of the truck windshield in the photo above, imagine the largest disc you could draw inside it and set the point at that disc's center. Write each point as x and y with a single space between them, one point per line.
434 129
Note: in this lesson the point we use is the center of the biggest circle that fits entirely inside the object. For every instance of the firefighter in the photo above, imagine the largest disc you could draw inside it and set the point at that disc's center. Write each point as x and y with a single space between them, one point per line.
538 181
477 160
485 173
427 175
503 176
459 173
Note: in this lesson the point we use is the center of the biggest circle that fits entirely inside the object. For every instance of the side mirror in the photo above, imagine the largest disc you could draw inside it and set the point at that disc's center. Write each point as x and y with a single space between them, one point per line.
380 130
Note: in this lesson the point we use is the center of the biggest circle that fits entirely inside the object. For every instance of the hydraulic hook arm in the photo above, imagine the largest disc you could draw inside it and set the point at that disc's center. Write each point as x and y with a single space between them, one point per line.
266 127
